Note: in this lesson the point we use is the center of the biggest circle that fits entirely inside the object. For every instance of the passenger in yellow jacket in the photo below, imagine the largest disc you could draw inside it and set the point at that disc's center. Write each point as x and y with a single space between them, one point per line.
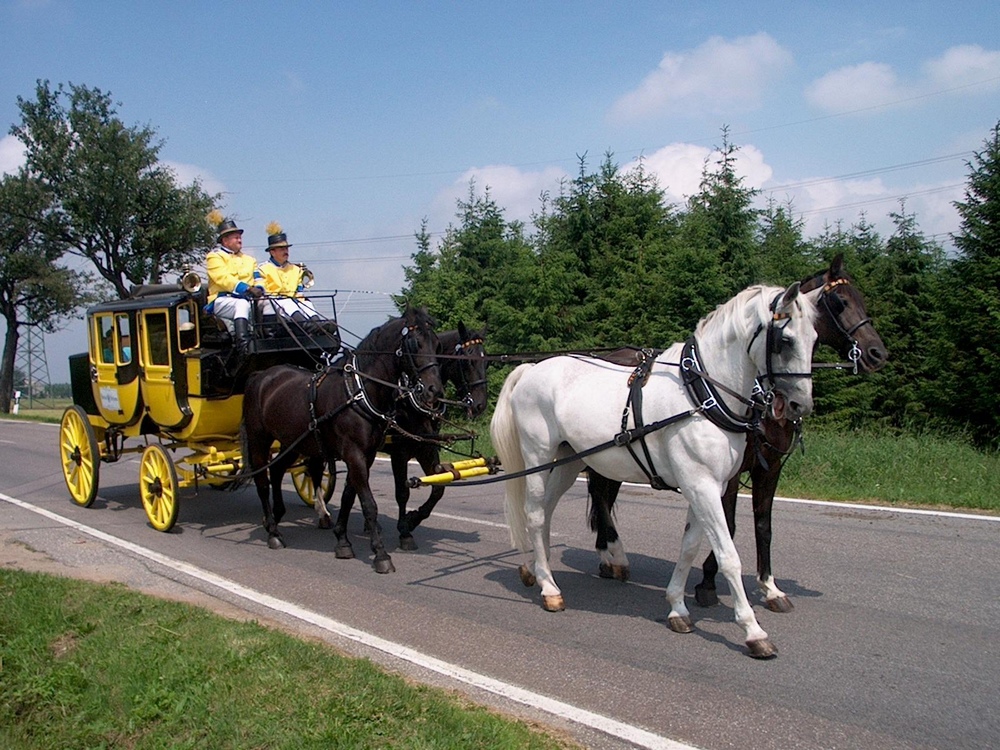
281 280
231 281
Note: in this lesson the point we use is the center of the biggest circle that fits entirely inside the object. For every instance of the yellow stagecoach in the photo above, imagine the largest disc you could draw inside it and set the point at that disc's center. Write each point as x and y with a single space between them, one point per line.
161 373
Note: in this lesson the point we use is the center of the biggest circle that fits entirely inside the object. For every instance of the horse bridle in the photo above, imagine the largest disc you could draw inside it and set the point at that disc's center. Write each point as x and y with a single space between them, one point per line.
855 353
774 342
465 386
407 351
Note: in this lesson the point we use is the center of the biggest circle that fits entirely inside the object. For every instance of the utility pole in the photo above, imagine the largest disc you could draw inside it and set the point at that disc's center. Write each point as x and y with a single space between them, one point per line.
31 361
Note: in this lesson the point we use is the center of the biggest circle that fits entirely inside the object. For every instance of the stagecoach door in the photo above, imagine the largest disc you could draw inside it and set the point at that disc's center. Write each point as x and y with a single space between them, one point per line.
115 375
164 381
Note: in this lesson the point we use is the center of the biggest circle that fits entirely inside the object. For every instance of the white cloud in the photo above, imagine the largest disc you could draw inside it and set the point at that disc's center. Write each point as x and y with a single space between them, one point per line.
719 75
856 87
188 173
678 168
821 203
961 66
872 84
12 155
515 191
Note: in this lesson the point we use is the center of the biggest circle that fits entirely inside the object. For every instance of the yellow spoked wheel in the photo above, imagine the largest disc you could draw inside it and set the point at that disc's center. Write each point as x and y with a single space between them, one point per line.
304 485
158 485
79 455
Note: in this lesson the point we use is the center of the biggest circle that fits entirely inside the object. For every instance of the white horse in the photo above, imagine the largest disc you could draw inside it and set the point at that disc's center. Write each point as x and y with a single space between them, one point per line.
560 407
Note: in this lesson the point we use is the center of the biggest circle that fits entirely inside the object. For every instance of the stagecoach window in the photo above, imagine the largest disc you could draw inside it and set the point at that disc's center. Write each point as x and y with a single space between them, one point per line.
187 330
156 338
105 326
124 338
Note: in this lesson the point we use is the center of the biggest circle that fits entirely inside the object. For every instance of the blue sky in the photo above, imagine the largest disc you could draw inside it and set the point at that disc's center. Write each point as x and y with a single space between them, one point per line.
351 122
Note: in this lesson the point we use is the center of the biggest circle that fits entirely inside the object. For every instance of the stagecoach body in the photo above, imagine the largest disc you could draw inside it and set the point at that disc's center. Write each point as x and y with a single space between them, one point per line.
159 378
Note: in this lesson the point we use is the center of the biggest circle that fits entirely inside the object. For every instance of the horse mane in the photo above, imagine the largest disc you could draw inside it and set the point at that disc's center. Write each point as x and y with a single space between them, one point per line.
748 309
376 340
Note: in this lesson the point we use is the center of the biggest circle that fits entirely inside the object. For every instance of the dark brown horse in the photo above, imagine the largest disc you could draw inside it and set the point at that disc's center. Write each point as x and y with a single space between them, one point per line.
844 325
340 412
417 431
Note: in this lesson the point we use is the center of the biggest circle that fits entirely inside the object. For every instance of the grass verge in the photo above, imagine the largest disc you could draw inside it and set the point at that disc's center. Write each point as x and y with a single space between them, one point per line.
83 665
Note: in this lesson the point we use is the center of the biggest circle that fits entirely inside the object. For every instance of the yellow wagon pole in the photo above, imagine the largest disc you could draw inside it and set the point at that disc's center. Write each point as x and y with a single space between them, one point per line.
465 469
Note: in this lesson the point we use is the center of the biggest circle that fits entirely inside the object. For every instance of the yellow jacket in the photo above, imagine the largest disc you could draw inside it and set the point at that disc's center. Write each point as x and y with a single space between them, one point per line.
228 273
284 280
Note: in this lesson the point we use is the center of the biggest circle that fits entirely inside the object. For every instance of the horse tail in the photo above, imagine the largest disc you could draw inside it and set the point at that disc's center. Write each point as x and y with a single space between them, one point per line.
507 444
244 476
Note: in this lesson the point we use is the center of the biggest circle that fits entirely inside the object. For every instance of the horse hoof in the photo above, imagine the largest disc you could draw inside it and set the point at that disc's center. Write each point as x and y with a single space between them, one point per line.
617 572
384 565
407 544
344 553
527 577
705 597
275 542
779 604
762 649
553 603
680 624
325 523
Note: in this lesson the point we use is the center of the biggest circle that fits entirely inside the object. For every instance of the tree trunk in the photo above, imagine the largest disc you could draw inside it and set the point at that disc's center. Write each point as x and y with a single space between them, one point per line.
7 365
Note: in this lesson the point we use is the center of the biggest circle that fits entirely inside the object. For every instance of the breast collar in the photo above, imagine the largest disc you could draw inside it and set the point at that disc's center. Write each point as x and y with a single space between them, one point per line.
704 392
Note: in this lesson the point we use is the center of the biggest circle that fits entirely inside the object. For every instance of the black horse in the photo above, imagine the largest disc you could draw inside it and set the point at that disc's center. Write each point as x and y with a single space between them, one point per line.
417 430
340 412
842 324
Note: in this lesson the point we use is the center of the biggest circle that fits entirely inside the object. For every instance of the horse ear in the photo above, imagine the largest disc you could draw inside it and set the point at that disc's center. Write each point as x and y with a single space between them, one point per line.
837 266
791 293
463 332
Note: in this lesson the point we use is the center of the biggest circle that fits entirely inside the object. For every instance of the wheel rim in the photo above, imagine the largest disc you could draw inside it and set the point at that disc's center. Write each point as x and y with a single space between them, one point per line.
79 456
158 485
303 485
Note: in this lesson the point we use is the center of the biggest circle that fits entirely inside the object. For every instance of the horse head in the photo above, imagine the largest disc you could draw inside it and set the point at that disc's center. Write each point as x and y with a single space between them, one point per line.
784 353
843 322
465 367
417 351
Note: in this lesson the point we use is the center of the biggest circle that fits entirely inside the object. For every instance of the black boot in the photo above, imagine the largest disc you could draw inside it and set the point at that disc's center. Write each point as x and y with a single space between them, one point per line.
241 334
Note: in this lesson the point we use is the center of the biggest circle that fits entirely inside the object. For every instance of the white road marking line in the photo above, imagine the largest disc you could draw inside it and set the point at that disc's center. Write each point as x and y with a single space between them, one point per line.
633 734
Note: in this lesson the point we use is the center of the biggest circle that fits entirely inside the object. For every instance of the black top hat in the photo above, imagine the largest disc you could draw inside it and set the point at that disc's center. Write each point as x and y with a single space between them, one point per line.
274 241
228 226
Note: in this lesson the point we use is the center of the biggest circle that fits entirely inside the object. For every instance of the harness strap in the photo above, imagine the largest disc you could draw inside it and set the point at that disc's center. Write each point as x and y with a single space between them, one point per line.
636 381
703 390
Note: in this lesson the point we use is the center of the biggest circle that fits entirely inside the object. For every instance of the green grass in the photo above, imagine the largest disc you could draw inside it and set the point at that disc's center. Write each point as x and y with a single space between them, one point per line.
89 666
42 410
884 467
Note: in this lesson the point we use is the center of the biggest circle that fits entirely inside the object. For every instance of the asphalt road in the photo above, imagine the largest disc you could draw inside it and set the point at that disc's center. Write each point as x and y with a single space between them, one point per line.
892 643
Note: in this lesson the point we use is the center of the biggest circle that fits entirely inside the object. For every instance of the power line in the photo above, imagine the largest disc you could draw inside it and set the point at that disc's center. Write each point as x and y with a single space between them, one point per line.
868 172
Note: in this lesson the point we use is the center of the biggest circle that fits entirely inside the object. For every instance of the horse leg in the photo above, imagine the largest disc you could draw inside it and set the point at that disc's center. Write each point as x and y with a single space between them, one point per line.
708 511
276 475
705 593
344 550
542 496
270 523
316 467
613 560
357 477
679 618
429 457
399 458
765 483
